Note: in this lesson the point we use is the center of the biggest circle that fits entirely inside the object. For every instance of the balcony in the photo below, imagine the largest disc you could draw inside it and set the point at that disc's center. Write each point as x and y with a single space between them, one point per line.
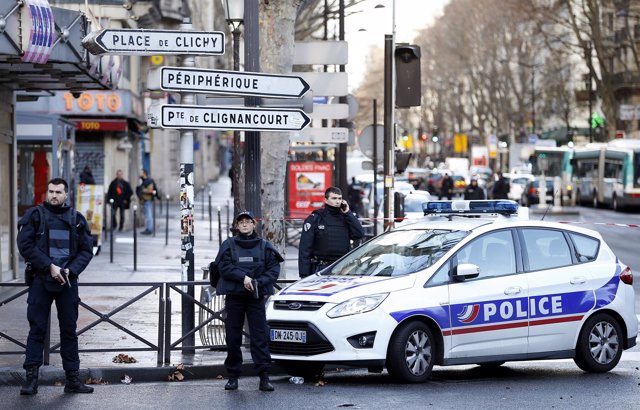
629 80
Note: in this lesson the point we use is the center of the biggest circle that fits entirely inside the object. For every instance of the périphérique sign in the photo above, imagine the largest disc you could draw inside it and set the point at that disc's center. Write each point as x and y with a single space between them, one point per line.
148 42
226 118
226 82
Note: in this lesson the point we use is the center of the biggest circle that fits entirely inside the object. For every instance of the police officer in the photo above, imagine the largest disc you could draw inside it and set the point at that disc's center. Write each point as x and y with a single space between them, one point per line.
57 251
473 191
327 234
249 266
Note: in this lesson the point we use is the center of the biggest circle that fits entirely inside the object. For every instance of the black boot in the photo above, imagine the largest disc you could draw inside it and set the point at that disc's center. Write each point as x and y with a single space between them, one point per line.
232 384
265 384
30 386
74 385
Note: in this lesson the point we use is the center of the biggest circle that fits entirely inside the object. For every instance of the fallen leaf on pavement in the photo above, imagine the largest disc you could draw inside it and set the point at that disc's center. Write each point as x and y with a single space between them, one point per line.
124 358
97 380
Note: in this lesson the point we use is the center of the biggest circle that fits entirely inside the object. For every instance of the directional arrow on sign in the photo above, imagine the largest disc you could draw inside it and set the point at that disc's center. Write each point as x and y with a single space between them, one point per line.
148 42
226 118
227 82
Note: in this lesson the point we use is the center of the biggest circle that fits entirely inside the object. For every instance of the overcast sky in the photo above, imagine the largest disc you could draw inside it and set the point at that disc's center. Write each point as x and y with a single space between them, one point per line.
410 16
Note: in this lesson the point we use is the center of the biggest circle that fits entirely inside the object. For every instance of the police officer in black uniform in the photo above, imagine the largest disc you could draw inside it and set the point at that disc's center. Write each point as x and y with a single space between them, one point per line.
327 234
249 266
56 251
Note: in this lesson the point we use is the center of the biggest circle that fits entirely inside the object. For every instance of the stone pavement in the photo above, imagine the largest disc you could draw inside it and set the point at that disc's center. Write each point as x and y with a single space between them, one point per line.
132 328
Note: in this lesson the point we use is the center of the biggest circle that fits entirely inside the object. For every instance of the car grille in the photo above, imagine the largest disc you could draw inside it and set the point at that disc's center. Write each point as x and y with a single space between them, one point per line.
317 343
297 305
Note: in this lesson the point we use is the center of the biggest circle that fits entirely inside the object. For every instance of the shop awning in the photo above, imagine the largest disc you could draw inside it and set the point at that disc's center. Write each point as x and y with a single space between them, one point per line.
67 67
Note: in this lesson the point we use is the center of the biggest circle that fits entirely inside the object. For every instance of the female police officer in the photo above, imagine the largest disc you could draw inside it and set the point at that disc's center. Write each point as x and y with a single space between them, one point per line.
248 266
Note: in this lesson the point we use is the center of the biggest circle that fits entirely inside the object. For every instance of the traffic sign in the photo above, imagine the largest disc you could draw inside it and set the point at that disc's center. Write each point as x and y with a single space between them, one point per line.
226 118
227 82
153 42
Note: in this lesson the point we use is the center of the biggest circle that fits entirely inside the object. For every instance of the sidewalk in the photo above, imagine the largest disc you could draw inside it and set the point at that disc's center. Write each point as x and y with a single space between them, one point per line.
156 262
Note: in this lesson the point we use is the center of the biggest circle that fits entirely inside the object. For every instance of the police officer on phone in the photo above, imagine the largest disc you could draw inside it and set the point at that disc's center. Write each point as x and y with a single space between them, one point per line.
327 233
56 243
249 266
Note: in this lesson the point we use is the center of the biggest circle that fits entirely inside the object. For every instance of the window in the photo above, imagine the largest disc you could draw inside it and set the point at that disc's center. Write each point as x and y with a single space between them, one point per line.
441 277
493 253
546 249
398 253
586 247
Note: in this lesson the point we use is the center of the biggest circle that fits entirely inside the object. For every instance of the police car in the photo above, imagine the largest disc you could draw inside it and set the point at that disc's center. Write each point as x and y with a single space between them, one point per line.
473 282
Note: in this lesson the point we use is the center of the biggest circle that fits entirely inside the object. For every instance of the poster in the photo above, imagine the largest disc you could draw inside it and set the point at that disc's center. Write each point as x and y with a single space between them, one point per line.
90 202
307 182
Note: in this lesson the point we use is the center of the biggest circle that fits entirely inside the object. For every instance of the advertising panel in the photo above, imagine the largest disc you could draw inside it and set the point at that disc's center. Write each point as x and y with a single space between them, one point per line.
307 183
89 202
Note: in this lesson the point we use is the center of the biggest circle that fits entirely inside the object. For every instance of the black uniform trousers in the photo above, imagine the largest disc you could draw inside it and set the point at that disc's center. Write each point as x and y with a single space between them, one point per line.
38 311
236 308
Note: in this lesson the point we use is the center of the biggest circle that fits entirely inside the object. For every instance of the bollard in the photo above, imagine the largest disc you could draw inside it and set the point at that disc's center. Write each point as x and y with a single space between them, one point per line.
210 219
228 230
153 213
113 220
202 201
160 210
219 228
166 223
135 238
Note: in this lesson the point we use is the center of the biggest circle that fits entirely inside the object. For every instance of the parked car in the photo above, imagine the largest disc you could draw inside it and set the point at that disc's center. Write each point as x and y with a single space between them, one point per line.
531 192
518 183
453 290
416 176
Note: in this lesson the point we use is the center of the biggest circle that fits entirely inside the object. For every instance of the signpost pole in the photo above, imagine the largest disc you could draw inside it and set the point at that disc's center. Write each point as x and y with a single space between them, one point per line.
252 148
186 211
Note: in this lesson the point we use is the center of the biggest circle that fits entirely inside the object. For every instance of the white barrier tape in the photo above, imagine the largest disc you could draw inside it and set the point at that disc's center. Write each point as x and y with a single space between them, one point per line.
601 224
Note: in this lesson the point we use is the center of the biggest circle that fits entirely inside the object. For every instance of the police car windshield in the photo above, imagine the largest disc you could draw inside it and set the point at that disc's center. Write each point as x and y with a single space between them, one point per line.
397 253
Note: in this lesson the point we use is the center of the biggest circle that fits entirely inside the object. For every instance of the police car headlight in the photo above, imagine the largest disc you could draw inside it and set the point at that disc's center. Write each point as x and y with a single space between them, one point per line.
357 305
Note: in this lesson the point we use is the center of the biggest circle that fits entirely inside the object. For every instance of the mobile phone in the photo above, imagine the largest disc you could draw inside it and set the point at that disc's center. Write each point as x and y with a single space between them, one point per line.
343 205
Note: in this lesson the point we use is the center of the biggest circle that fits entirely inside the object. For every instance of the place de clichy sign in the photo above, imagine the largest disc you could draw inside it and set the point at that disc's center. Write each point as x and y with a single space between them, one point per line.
236 118
147 42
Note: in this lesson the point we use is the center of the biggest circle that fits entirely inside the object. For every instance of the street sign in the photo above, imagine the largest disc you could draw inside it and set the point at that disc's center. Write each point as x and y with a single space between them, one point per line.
153 42
322 135
226 118
227 82
327 84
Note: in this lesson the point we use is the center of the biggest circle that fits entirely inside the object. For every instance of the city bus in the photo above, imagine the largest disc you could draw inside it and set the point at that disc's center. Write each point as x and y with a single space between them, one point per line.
608 174
554 162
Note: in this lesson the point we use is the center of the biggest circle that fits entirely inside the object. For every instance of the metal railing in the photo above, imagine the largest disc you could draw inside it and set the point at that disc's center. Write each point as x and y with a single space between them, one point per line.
210 316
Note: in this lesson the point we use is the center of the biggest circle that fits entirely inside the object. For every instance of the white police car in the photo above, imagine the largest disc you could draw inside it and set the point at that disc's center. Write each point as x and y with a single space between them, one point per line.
454 289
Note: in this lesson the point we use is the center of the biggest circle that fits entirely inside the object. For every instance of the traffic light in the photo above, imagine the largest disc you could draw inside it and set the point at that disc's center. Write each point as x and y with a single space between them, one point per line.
408 92
401 160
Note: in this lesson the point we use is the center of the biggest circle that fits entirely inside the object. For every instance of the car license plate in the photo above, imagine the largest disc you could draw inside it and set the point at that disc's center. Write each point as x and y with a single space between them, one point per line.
286 335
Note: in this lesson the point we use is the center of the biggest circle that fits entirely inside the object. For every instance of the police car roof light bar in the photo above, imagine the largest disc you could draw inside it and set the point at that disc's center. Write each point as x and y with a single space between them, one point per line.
503 207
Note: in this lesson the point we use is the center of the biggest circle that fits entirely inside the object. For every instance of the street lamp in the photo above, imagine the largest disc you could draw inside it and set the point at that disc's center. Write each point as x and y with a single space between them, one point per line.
234 15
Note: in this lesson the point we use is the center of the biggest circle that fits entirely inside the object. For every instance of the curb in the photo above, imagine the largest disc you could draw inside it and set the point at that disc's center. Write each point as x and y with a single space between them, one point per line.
54 375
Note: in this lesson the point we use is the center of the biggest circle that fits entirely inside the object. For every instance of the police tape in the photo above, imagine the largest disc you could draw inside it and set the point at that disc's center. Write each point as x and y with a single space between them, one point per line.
601 224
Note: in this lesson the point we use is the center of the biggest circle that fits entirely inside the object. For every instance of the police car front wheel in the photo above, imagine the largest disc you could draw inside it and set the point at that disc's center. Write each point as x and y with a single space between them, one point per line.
599 346
411 353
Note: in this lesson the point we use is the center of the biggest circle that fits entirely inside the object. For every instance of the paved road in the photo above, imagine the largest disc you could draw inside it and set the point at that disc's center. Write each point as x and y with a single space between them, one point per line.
546 385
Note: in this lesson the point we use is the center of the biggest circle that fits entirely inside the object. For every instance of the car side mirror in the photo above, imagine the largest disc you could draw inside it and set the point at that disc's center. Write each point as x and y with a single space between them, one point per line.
465 271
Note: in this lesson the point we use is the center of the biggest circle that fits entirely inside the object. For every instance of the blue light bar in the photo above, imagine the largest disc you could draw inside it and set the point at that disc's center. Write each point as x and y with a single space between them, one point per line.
501 206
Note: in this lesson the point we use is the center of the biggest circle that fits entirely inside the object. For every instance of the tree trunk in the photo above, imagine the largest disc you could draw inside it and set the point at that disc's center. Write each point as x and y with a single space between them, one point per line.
277 29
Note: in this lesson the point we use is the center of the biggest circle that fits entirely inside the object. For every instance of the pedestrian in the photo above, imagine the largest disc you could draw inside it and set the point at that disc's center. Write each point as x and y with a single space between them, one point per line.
327 233
500 187
56 243
86 176
473 191
249 266
446 187
355 196
120 191
147 193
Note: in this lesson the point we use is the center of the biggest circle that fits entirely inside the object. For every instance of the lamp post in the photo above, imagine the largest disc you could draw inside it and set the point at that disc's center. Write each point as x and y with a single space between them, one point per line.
590 91
234 15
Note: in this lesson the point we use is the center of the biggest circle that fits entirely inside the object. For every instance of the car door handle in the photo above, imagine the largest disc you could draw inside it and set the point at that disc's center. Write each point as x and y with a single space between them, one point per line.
514 290
578 280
